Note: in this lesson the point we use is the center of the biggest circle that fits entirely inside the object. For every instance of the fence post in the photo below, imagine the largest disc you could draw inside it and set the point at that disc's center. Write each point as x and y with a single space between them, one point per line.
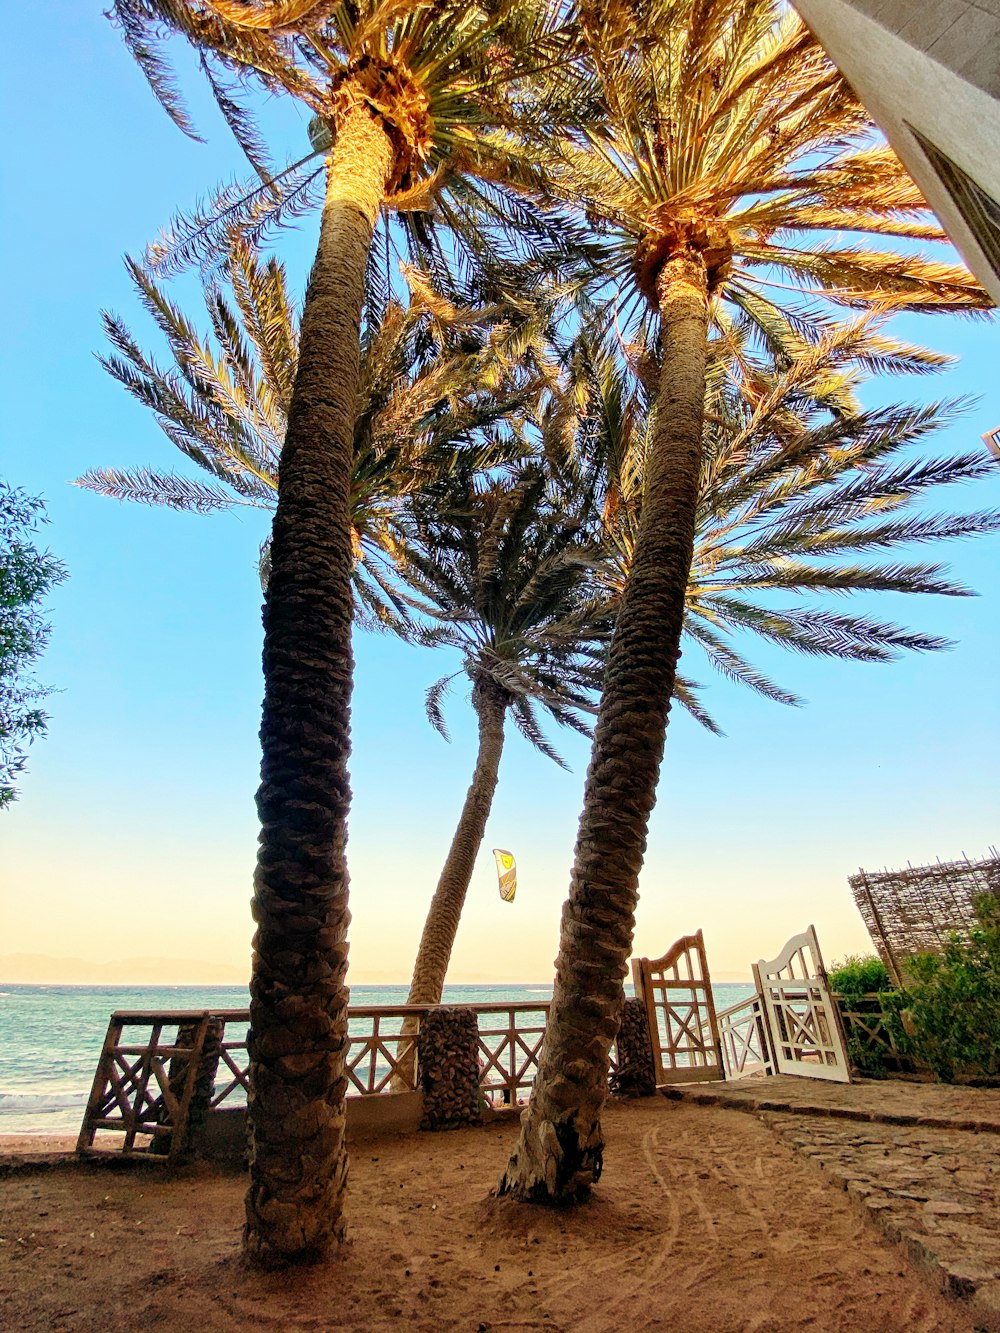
448 1062
636 1073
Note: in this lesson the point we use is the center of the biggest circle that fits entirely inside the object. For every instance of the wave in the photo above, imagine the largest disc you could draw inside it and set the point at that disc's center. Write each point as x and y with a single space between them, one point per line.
17 1103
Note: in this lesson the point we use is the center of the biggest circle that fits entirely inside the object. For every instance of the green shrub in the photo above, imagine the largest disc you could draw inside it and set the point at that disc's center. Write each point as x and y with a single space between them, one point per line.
870 1008
859 974
953 1001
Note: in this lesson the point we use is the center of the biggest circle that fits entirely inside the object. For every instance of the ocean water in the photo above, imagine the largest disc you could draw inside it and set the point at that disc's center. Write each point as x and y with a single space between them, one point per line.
51 1036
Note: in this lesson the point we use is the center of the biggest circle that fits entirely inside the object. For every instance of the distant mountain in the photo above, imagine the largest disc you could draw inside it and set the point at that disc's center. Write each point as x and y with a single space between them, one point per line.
41 969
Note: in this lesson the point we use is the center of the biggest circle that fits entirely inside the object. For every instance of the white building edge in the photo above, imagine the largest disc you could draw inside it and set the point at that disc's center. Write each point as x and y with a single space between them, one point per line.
929 73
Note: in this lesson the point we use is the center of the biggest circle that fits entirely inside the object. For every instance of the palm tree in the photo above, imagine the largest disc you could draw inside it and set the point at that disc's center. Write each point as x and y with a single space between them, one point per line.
439 382
797 478
406 97
726 151
443 388
504 571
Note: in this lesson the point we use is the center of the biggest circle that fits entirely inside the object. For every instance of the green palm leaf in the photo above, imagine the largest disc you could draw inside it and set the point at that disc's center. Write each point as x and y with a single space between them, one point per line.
440 383
796 475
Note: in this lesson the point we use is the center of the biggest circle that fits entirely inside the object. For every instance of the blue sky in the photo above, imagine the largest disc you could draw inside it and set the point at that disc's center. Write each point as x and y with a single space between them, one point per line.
135 833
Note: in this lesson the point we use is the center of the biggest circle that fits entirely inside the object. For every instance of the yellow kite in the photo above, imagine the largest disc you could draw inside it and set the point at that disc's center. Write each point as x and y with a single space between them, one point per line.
506 874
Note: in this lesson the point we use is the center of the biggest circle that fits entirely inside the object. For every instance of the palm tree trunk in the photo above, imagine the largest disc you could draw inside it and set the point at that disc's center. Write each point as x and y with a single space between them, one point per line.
560 1152
298 996
445 912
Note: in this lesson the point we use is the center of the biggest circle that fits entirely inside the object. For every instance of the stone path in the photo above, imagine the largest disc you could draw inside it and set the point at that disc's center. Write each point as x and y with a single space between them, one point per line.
922 1159
892 1101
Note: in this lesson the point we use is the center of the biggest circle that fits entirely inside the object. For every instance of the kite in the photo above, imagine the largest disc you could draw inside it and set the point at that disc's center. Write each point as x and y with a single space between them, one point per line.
506 874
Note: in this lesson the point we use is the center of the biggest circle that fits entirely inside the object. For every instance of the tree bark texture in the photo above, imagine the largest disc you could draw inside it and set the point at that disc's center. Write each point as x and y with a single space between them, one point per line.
560 1151
298 996
445 912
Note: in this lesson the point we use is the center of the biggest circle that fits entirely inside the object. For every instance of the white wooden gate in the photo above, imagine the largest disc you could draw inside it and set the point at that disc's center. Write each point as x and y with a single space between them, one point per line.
802 1020
680 1011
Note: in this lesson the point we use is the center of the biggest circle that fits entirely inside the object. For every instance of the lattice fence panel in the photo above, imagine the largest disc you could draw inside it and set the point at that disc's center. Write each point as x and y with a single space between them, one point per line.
382 1050
144 1083
870 1041
379 1054
232 1081
743 1039
510 1039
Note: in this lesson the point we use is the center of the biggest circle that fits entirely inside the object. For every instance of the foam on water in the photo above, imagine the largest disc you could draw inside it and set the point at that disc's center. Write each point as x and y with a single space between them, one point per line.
44 1103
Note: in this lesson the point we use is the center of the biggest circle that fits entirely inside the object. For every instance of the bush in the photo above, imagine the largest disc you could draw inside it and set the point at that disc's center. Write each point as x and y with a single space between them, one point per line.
27 575
859 975
870 1008
953 1001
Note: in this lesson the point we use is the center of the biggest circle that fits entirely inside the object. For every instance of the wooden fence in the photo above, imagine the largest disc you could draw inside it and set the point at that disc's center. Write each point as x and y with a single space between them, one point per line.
153 1064
378 1052
158 1071
510 1039
380 1055
146 1077
743 1039
871 1036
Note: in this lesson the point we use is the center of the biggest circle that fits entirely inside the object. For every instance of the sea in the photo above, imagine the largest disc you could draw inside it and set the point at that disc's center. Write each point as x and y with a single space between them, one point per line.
51 1036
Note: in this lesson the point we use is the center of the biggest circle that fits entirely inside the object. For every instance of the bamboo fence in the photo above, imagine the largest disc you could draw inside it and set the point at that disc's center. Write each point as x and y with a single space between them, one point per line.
915 910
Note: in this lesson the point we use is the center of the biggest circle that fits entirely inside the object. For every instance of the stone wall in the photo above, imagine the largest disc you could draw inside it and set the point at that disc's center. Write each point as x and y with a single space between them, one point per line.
448 1054
636 1072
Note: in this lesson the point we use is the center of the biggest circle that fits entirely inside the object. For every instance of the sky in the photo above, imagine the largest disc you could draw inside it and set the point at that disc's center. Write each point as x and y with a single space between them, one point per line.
135 833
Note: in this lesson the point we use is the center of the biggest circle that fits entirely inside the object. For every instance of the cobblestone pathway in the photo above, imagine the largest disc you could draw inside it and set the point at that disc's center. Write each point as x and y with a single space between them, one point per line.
922 1159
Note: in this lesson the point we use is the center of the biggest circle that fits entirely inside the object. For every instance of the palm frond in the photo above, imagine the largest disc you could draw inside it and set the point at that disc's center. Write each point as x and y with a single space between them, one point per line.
796 476
686 694
138 28
433 700
169 489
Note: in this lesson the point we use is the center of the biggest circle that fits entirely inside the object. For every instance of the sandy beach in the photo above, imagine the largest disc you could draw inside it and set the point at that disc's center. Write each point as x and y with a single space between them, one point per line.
31 1144
705 1222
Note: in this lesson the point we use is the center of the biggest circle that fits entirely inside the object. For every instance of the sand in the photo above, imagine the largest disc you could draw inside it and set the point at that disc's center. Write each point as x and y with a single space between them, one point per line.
32 1145
704 1222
